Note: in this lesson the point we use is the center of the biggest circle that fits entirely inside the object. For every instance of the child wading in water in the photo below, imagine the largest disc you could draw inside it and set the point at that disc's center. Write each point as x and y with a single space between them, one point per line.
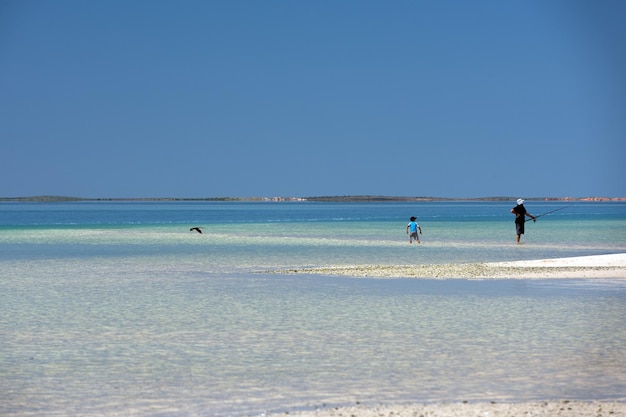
413 227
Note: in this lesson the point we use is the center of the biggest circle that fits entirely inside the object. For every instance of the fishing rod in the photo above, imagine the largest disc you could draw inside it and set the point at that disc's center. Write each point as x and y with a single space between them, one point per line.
552 211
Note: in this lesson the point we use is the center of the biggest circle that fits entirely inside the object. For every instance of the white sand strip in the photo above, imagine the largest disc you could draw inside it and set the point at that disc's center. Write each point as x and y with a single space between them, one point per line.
563 408
597 266
613 260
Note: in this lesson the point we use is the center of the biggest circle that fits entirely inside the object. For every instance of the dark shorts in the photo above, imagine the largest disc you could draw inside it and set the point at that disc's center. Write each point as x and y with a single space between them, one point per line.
519 228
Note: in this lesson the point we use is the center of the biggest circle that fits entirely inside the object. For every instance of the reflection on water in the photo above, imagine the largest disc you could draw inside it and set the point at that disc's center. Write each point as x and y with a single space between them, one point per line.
179 342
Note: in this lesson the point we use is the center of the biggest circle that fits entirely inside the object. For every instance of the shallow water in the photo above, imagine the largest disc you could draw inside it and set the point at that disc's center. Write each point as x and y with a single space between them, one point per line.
245 236
101 314
243 344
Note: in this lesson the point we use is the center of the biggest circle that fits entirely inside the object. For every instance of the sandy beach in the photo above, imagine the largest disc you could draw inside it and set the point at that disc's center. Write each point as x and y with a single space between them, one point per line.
611 266
563 408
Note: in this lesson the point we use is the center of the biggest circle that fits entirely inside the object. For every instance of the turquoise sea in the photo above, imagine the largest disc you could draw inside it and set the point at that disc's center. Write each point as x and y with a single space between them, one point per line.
116 308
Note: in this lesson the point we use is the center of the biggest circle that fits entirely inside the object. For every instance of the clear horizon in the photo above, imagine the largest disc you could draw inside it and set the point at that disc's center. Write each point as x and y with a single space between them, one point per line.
354 197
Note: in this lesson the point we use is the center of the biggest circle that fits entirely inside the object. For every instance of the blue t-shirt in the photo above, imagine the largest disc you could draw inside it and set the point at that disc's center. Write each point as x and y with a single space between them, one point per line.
413 227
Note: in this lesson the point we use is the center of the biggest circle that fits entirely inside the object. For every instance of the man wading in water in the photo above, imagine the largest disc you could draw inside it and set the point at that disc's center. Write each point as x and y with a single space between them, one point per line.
520 212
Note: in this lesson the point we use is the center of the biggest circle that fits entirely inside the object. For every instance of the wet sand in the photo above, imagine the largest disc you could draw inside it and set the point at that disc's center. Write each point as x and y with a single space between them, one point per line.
563 408
612 266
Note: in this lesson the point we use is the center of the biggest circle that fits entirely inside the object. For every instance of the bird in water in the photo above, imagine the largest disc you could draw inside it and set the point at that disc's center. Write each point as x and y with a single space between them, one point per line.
197 229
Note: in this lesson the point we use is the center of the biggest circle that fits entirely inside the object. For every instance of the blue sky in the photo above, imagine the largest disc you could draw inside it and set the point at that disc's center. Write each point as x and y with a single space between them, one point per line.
110 98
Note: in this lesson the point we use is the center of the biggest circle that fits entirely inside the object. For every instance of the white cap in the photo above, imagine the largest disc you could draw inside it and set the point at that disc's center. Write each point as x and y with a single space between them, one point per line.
520 201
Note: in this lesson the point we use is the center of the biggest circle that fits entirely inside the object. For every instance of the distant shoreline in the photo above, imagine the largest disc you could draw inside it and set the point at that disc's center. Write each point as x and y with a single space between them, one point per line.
338 199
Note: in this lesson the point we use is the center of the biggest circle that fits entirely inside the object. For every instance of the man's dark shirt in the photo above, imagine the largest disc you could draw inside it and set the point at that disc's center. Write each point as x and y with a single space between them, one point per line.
521 210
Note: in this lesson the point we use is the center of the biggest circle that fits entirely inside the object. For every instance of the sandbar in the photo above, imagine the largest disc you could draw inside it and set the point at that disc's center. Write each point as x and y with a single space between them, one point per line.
609 266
